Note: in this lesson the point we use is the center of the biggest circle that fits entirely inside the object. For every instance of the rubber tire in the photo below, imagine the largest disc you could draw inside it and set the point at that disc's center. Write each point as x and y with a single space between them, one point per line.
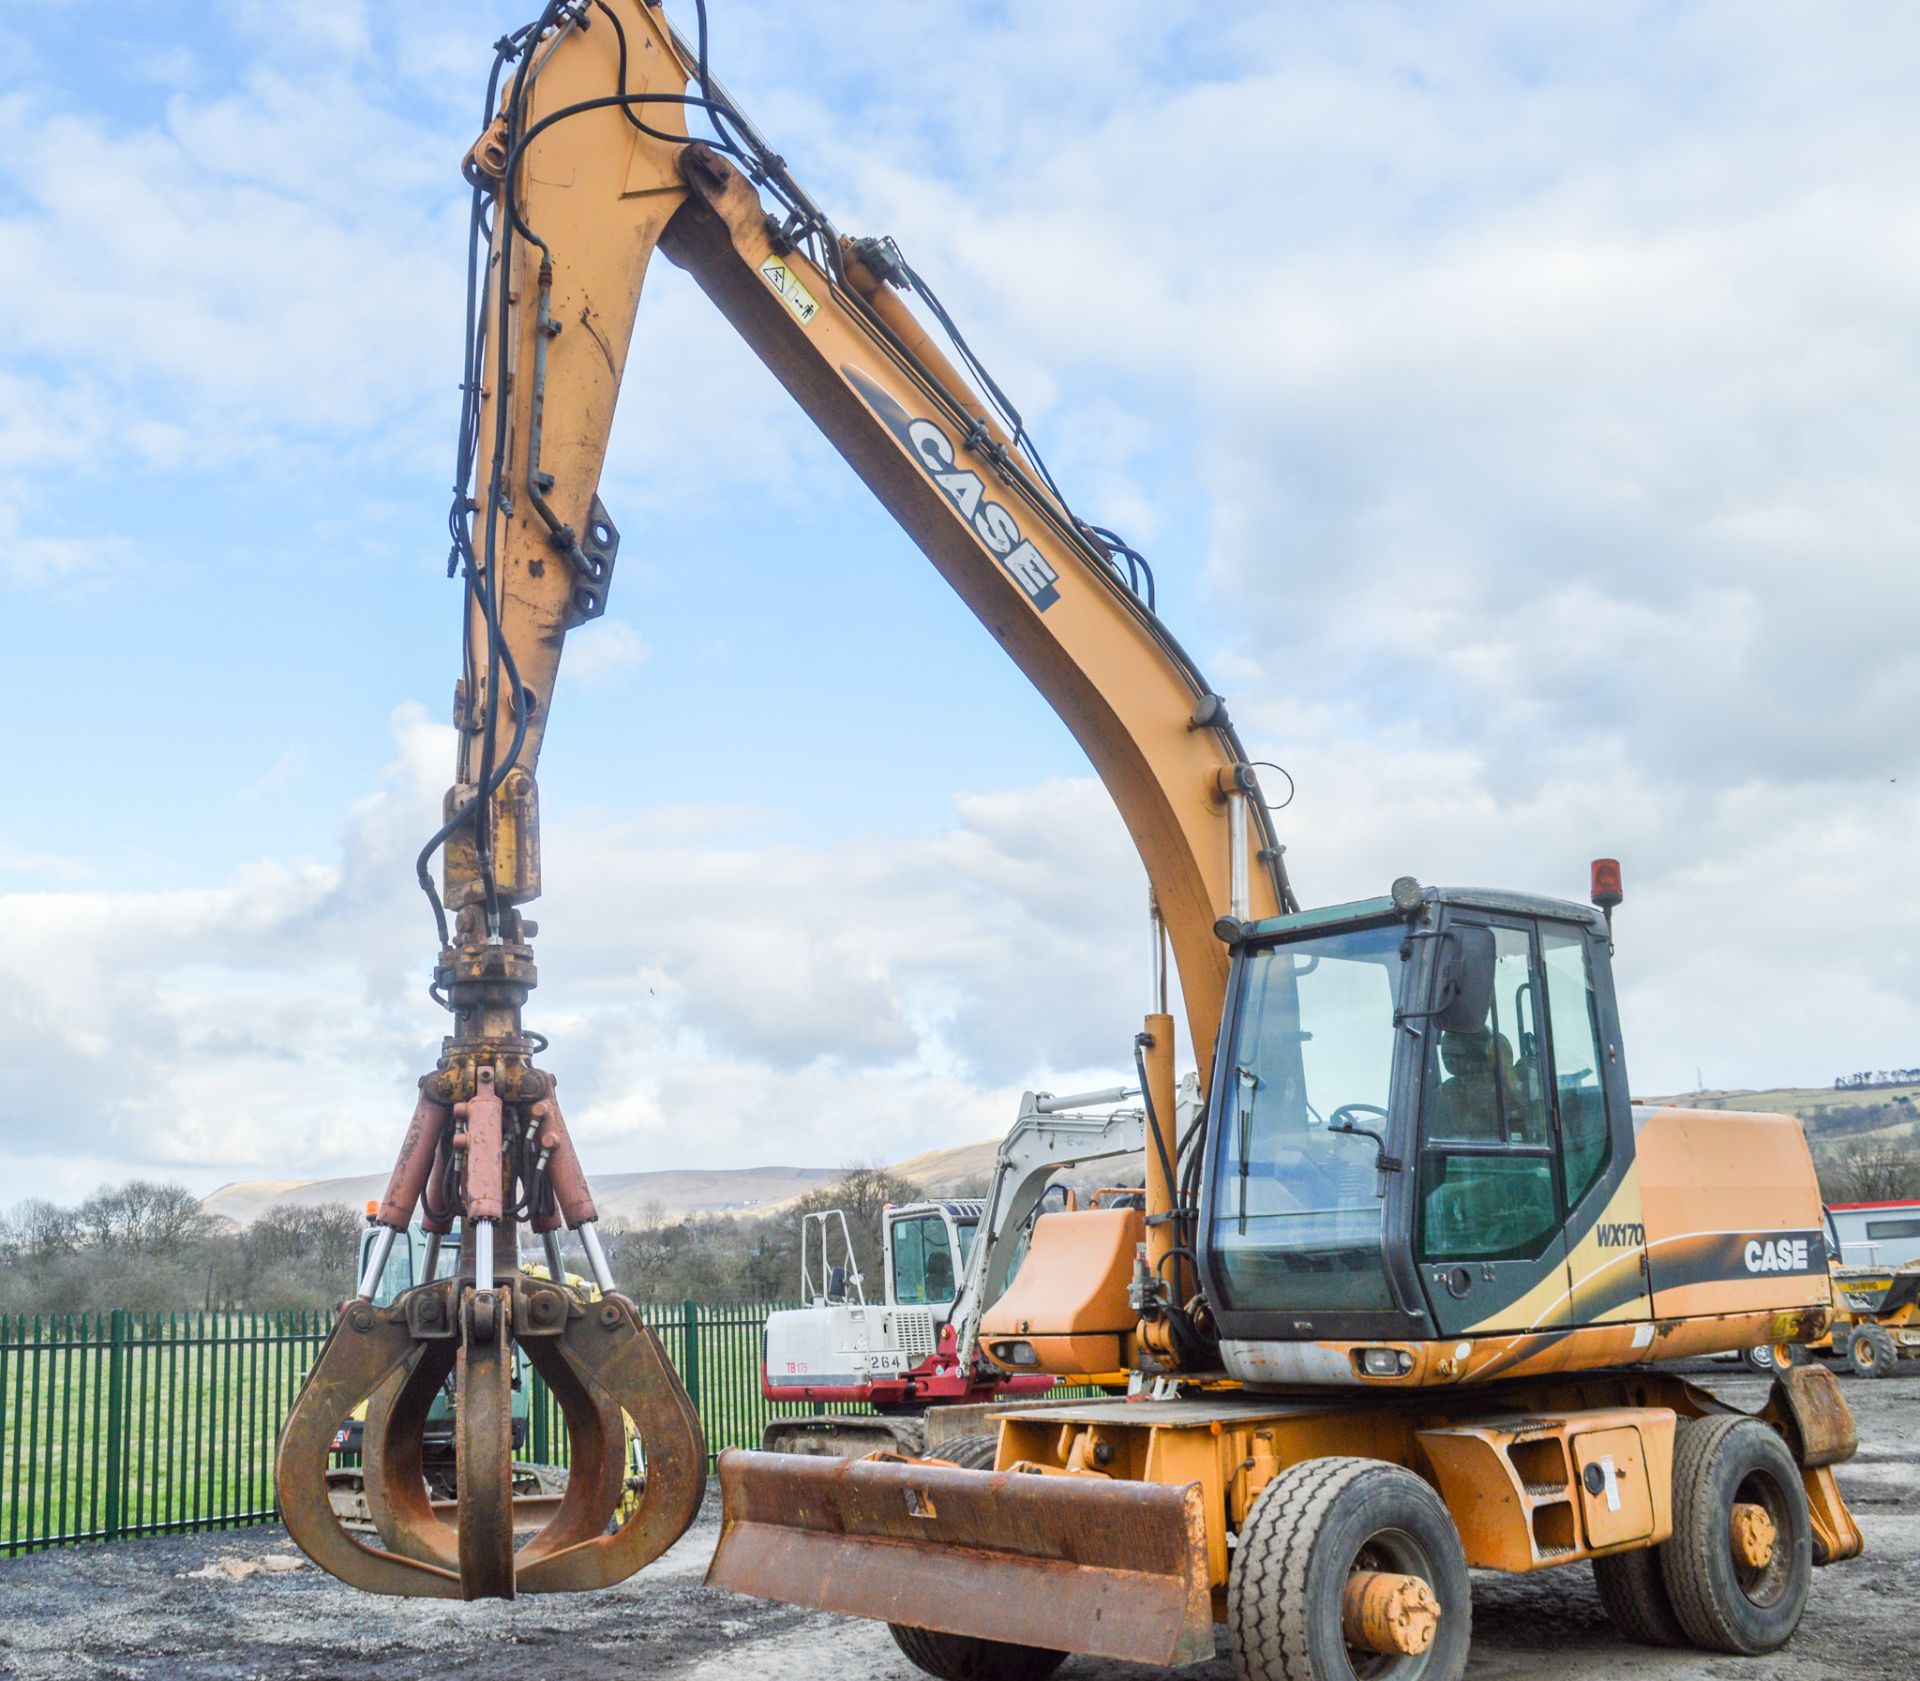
966 1657
1711 1457
1292 1557
1870 1352
1633 1592
1758 1359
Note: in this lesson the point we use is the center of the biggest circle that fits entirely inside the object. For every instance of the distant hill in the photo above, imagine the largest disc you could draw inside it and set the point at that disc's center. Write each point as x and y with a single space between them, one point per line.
677 1193
1856 1115
1881 1114
620 1196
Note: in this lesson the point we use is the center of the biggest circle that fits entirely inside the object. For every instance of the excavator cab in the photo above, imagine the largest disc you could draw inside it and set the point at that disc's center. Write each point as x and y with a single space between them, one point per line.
927 1246
1416 1097
1418 1118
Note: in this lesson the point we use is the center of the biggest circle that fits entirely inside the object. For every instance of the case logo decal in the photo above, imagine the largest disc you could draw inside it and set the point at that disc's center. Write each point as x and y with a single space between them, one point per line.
992 524
1787 1254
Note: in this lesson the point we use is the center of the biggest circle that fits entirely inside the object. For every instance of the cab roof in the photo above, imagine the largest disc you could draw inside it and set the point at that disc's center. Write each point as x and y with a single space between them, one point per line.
1475 898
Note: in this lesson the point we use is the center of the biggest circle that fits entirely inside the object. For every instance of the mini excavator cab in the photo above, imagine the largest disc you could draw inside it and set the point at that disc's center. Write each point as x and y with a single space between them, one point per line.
1415 1096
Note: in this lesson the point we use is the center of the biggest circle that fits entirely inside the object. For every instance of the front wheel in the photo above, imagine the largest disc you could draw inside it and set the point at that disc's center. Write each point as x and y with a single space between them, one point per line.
1758 1359
1316 1527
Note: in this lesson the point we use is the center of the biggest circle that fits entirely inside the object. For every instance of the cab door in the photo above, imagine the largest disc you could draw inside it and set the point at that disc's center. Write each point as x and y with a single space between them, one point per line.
1489 1220
1606 1237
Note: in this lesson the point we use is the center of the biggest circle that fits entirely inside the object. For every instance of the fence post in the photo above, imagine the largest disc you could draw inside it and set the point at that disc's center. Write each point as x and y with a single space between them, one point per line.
116 1417
690 1353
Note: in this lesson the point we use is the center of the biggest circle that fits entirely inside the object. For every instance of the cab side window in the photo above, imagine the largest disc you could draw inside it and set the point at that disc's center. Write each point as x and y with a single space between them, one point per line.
1486 1159
1574 1014
1490 1084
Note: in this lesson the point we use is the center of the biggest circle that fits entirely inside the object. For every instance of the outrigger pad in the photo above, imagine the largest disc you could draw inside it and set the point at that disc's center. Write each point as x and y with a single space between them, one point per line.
603 1366
1808 1407
1078 1564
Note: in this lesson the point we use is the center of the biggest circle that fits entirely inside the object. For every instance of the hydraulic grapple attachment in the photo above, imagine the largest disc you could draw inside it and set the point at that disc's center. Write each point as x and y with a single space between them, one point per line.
602 1365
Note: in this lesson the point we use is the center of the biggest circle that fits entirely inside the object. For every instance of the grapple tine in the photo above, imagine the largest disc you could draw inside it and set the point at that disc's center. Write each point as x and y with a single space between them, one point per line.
483 1446
607 1363
366 1349
393 1460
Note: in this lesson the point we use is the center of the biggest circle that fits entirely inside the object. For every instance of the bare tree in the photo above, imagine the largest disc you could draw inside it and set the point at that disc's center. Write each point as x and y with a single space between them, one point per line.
1871 1172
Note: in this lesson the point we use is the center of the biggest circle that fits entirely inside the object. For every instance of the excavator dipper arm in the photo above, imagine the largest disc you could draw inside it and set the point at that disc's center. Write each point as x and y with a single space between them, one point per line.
583 170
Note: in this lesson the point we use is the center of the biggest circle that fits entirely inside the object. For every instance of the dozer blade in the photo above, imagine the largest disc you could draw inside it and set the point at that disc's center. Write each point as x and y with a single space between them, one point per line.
603 1366
1112 1569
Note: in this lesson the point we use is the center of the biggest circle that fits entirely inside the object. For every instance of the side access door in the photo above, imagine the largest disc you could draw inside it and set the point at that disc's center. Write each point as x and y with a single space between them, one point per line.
1489 1218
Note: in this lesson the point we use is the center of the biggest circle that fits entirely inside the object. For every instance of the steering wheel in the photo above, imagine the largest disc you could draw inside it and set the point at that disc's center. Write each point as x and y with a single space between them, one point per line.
1347 1111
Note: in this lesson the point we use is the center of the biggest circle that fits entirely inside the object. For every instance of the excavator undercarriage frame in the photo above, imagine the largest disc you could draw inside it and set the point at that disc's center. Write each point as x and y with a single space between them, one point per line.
1105 1527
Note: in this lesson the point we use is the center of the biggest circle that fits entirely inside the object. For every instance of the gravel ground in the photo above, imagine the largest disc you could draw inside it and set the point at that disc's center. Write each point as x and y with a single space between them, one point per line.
135 1610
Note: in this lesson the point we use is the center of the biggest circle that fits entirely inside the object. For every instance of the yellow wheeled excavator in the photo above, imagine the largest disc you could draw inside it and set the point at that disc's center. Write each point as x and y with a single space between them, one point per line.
1394 1303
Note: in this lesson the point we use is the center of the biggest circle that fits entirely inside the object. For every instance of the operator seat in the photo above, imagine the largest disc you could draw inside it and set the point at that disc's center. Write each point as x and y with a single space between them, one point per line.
1465 1106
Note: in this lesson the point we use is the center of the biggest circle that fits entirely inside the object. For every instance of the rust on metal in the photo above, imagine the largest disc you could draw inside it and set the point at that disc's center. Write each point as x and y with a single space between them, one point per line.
1112 1569
603 1367
417 1152
572 1200
1381 1611
1808 1408
368 1348
483 1446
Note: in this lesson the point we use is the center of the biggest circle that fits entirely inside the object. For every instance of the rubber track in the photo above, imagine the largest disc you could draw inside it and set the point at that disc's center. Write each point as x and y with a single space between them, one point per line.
970 1453
1270 1565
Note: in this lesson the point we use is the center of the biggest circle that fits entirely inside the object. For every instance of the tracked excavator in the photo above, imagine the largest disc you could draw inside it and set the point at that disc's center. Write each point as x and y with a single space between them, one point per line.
914 1357
1396 1301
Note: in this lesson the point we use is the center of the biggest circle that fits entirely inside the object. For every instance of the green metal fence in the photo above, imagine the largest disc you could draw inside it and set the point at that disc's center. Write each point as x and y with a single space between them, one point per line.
120 1424
125 1424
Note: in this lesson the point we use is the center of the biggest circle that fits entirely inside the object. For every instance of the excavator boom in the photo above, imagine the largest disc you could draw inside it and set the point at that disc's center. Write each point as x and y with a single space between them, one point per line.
583 168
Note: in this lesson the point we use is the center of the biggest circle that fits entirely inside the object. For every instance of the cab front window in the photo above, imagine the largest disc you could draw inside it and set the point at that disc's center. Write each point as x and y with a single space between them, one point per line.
923 1271
1297 1200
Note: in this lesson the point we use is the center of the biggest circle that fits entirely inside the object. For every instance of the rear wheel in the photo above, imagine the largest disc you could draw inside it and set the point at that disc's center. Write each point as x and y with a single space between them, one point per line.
1870 1351
1317 1525
1758 1359
1634 1593
1733 1481
966 1657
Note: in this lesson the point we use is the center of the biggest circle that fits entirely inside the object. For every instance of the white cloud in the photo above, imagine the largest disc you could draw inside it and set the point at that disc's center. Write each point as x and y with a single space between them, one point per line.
707 1002
1543 388
604 653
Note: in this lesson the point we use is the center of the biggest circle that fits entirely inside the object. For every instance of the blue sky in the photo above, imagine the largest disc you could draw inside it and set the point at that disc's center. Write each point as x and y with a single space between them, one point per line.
1518 407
